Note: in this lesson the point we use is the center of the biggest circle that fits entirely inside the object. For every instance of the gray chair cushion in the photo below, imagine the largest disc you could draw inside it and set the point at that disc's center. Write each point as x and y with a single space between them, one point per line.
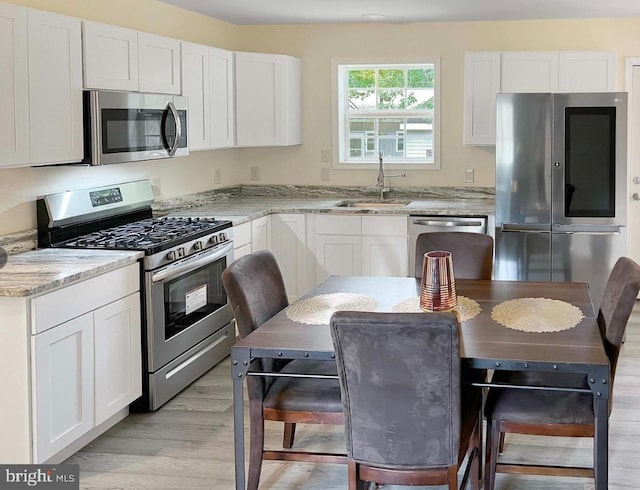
400 380
540 406
306 394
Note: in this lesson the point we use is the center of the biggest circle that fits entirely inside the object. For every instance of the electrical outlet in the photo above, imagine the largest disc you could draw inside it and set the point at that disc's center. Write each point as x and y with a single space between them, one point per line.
217 176
325 174
468 176
325 156
156 187
255 173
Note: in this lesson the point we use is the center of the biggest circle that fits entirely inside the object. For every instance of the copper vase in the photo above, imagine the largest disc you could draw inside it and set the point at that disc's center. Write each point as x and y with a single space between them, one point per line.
438 287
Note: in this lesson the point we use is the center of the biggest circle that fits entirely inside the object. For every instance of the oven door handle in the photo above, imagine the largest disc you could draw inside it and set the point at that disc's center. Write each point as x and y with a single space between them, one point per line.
189 265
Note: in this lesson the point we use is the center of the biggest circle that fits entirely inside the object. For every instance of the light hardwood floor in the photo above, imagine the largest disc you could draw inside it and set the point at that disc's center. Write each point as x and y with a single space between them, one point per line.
188 443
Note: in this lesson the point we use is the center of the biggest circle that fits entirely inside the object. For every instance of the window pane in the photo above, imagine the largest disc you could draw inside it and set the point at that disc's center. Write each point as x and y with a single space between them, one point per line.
420 78
362 78
391 78
419 99
391 99
389 131
362 99
355 146
419 138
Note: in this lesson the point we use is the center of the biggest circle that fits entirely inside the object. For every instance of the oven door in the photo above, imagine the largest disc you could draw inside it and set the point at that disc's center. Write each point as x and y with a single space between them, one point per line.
185 303
128 127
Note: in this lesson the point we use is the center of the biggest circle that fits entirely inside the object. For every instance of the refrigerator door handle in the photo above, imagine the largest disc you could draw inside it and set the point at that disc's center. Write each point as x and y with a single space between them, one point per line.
588 229
525 228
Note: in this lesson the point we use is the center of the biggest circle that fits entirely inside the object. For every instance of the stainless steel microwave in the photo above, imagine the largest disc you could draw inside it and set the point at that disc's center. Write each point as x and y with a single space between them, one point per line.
130 126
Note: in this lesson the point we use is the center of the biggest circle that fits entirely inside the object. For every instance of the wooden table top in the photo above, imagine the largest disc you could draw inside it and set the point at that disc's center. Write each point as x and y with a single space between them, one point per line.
482 338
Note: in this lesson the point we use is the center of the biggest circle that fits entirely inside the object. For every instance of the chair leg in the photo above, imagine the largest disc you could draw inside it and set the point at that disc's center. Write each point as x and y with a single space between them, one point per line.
476 453
289 435
452 477
491 458
354 480
501 445
256 444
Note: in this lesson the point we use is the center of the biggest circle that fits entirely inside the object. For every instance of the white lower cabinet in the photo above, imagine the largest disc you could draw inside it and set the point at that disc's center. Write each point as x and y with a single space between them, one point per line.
241 240
63 370
71 364
356 245
289 245
261 233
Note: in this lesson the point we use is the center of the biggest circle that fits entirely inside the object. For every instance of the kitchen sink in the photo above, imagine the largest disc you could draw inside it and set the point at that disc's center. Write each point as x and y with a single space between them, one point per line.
372 204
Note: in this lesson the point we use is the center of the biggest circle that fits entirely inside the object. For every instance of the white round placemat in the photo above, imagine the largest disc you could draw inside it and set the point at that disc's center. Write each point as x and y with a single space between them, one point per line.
537 314
317 310
467 308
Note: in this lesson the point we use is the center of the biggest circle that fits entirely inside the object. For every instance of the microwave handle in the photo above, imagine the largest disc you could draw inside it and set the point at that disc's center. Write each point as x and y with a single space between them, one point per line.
176 118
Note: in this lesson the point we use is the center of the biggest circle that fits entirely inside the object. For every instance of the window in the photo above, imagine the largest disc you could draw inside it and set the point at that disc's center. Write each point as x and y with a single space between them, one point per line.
388 108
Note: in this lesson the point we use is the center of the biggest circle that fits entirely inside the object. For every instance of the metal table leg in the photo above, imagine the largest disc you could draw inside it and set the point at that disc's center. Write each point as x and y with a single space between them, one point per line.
599 381
240 365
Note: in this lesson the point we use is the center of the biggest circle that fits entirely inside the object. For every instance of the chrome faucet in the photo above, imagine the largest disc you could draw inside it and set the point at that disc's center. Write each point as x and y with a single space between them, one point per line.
381 176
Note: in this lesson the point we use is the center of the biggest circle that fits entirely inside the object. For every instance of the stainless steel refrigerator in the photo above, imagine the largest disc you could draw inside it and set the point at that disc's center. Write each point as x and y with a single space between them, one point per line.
561 187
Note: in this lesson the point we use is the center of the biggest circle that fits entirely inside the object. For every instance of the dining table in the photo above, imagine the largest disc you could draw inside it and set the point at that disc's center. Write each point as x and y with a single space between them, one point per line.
485 343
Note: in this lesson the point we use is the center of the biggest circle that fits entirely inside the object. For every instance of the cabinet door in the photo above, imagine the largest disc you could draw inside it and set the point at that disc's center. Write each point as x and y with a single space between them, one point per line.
587 71
158 64
118 363
481 85
535 71
289 245
196 84
110 57
222 97
55 88
63 385
14 123
261 234
338 255
259 99
385 256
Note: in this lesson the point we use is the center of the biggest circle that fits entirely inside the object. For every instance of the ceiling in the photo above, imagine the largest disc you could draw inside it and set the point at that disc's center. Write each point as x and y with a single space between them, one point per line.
338 11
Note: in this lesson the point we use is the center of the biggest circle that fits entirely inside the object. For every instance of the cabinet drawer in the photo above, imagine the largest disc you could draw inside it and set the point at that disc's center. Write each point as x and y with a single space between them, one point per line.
241 235
70 302
384 225
338 225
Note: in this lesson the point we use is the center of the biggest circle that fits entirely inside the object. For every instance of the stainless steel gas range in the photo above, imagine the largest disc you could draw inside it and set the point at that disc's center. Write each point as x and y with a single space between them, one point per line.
187 321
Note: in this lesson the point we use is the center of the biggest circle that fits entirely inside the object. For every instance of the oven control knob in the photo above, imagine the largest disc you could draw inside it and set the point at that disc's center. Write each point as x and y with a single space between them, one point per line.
223 237
198 245
182 252
214 239
172 255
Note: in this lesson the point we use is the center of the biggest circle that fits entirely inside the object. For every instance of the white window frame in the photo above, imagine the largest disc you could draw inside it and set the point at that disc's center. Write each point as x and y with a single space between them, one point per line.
340 127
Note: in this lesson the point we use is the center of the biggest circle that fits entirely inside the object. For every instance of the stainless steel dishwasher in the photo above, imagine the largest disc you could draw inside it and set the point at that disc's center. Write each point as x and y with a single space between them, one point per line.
430 224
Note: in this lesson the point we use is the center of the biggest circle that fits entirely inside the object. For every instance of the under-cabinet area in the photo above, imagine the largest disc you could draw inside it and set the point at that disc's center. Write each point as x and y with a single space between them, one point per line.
71 364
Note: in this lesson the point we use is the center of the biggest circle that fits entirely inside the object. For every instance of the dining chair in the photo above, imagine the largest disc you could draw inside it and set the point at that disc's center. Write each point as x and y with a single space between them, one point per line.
407 421
256 292
472 253
558 413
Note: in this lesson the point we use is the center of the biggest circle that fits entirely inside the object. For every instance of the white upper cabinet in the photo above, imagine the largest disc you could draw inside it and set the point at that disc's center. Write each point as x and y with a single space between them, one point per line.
110 56
14 77
529 72
488 73
268 100
587 71
207 79
222 98
55 88
116 58
196 84
158 64
481 85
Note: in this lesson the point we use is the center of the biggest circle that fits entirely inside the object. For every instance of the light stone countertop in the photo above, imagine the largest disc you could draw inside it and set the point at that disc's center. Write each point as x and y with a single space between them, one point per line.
242 209
43 270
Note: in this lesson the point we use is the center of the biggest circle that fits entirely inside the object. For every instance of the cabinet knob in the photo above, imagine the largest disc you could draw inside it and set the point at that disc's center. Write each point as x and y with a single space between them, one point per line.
636 196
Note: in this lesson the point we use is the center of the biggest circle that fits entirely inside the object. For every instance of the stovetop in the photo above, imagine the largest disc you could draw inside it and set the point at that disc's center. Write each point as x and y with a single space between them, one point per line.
151 235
